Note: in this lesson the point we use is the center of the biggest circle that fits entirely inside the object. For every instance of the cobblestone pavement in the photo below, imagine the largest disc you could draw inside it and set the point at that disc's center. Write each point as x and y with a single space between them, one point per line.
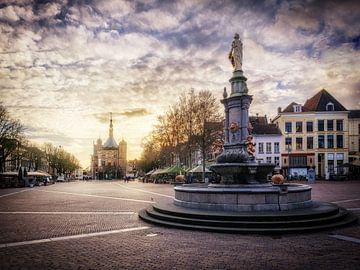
94 225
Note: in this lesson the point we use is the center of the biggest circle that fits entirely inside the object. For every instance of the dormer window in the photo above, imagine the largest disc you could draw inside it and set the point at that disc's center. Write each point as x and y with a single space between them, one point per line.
297 108
330 106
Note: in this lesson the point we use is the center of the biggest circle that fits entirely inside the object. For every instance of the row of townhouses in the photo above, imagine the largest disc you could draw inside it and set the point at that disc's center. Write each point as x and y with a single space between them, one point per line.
320 134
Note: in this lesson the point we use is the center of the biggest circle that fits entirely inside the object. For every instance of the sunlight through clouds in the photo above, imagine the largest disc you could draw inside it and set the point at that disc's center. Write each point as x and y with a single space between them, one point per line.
64 65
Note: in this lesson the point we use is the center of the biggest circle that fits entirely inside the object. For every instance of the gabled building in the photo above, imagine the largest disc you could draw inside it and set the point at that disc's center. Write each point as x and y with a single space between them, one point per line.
108 160
267 139
315 135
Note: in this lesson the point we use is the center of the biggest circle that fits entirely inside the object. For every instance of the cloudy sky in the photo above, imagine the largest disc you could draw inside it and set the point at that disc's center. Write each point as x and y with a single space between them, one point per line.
64 65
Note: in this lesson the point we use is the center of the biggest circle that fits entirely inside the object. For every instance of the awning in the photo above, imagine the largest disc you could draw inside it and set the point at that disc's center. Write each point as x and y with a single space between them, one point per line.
150 172
159 171
355 163
38 173
175 170
199 169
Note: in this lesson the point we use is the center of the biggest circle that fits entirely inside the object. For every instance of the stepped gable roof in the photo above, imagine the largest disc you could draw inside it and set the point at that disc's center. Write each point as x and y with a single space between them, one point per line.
269 129
354 114
318 102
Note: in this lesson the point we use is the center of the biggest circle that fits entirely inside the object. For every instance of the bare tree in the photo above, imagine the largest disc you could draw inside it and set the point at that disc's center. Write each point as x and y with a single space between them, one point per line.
11 134
188 125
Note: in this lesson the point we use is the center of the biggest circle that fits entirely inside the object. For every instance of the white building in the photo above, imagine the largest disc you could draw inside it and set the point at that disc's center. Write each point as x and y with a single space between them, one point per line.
267 139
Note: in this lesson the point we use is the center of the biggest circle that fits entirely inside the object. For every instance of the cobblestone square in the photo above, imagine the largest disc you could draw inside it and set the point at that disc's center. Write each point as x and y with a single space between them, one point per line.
94 225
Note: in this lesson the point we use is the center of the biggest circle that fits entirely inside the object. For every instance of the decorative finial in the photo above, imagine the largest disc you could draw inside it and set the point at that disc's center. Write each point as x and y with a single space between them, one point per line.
225 94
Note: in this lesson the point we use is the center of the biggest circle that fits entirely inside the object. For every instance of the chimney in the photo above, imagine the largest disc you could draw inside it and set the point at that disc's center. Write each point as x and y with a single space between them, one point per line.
279 109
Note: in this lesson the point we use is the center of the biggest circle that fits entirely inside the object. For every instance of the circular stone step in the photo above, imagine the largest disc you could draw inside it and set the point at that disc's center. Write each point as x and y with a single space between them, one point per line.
318 217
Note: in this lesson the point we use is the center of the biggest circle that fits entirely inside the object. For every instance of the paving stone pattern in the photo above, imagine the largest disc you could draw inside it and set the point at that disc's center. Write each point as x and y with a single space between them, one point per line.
155 247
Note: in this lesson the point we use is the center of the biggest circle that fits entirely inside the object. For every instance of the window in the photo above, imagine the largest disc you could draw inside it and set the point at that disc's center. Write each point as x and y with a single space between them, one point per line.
310 143
330 106
331 166
309 126
261 148
298 161
288 127
268 148
268 159
321 141
320 125
276 148
298 126
277 160
330 125
359 129
330 158
339 141
339 167
330 141
339 125
288 143
339 156
339 162
299 143
297 108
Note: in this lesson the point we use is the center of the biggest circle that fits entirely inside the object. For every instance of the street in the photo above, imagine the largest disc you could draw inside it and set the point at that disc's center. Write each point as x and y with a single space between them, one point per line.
94 225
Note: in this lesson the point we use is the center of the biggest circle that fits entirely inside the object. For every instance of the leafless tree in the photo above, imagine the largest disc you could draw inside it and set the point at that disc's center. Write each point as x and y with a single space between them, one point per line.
11 135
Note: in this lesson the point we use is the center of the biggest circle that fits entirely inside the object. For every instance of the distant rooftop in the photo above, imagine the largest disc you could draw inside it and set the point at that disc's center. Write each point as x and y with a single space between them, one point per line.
354 114
318 103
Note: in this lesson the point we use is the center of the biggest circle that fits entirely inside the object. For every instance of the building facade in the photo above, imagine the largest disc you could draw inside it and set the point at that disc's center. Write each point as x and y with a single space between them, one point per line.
109 160
354 135
267 139
314 135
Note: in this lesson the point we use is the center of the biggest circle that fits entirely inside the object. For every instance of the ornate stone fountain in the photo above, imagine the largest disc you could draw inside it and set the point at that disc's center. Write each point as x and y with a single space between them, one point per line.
244 201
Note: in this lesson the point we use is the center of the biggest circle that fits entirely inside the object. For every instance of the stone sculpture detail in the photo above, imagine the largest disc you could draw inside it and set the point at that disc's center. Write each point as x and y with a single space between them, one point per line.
250 146
235 54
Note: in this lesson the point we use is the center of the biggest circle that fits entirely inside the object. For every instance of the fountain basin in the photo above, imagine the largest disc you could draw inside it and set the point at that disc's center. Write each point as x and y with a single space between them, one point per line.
243 198
243 173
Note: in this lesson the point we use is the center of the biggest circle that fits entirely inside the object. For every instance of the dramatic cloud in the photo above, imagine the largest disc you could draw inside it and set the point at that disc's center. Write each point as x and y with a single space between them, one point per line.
65 65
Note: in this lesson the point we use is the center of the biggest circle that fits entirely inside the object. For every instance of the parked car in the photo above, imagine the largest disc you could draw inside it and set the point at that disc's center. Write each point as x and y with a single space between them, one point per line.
60 178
